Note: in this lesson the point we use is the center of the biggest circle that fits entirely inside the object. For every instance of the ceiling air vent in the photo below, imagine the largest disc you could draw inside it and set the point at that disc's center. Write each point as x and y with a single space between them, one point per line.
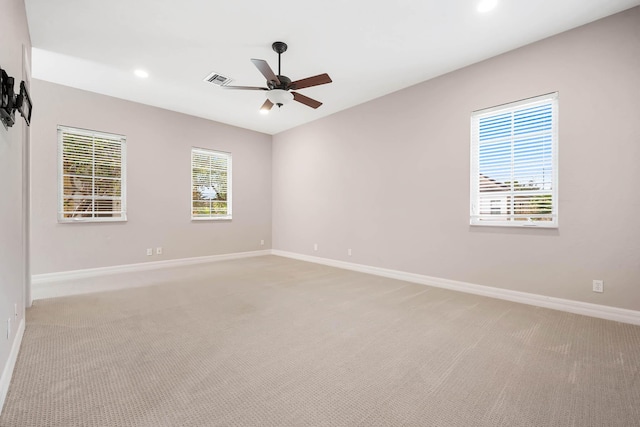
217 79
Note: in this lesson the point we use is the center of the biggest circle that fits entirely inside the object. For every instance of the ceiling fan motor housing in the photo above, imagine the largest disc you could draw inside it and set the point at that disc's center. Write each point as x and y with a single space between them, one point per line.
285 83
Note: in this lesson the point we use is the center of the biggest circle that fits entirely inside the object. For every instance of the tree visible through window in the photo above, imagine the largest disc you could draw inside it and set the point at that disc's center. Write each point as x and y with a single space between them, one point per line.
514 164
91 176
210 184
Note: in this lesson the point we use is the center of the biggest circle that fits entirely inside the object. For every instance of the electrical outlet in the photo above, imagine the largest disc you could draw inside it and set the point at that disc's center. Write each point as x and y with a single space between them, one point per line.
598 286
159 250
349 252
315 246
149 251
261 242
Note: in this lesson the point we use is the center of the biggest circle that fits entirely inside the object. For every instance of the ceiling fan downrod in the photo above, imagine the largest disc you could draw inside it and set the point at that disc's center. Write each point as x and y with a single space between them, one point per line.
279 48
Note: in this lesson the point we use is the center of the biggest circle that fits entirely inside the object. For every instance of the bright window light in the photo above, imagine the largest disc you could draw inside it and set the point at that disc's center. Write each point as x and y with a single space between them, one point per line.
210 184
92 178
514 164
487 5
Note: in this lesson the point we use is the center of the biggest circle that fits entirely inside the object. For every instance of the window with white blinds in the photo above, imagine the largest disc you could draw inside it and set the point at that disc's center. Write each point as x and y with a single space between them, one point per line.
514 164
210 184
91 176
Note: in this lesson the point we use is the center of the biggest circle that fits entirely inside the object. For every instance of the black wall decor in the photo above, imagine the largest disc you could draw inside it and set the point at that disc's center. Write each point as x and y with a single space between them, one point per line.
23 103
10 102
7 98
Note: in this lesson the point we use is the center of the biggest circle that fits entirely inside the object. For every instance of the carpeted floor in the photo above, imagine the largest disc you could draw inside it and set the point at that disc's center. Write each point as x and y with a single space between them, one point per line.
270 341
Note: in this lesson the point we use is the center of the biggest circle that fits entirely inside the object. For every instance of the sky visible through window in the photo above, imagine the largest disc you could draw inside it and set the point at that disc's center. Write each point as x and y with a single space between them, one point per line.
517 146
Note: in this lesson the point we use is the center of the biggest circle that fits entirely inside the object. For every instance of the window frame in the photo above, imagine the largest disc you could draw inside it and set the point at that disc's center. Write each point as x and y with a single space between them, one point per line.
122 141
210 152
478 219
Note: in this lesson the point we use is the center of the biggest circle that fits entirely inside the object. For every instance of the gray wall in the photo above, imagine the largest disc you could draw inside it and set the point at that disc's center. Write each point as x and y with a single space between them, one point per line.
15 35
390 178
158 185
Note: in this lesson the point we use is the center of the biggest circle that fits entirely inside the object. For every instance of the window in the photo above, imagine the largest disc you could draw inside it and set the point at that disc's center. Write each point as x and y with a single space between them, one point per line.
514 164
210 184
496 207
91 176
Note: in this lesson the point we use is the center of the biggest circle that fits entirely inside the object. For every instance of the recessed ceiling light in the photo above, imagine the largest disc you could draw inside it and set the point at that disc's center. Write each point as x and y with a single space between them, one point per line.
264 111
487 5
141 73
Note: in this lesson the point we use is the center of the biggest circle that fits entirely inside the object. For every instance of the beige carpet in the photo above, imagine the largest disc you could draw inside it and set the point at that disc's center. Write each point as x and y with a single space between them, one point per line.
274 342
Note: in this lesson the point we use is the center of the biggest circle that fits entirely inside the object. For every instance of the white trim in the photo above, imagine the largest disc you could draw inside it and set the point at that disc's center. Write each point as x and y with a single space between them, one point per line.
571 306
52 285
7 372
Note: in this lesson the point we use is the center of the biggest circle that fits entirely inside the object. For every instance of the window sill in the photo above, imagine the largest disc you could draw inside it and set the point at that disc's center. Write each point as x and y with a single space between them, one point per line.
222 218
527 225
89 220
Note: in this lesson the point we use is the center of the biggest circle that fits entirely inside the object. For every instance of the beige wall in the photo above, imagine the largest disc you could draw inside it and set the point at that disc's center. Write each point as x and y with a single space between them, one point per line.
390 178
158 184
14 35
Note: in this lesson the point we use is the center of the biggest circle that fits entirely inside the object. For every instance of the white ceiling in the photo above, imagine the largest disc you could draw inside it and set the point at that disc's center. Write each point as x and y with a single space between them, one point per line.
369 47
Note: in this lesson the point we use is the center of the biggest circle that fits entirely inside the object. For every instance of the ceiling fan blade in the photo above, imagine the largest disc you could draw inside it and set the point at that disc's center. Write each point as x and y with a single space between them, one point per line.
320 79
266 70
266 106
306 100
244 87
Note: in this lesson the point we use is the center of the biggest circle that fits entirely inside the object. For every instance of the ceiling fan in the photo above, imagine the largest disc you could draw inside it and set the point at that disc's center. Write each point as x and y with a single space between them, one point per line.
279 87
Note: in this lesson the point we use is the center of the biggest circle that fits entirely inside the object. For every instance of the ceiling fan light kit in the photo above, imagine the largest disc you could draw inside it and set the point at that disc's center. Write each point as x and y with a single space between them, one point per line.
279 96
279 86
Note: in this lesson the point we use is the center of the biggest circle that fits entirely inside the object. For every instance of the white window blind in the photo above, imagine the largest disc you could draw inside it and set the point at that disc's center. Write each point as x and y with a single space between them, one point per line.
91 176
514 164
210 184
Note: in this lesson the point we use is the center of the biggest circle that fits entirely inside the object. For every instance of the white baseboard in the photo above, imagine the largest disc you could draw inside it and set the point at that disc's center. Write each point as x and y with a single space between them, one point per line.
52 285
571 306
7 372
